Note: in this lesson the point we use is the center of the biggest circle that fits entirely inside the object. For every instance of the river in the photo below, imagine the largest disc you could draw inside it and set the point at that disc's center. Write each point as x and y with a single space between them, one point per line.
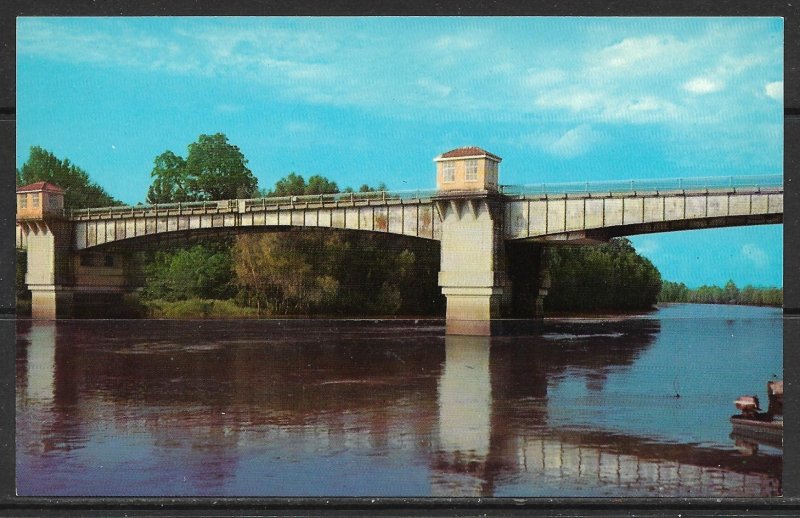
395 408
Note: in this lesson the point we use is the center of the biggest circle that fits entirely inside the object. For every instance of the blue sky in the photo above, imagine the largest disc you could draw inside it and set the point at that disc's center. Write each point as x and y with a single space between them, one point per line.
364 100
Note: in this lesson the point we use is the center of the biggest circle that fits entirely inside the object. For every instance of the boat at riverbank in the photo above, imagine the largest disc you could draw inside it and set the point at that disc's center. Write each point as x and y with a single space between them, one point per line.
753 424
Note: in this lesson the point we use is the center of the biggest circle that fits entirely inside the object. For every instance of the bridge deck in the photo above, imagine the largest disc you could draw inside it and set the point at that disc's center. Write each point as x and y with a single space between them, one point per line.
343 200
570 212
597 216
326 201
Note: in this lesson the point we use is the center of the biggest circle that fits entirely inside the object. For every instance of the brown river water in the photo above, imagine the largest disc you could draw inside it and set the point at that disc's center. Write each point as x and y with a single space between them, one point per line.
395 408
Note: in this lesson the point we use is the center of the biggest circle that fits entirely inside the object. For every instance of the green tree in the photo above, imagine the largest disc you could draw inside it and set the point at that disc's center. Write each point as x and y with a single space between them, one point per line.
202 271
345 273
366 188
730 294
80 191
320 185
214 169
312 271
608 276
276 276
218 170
291 185
673 292
294 184
170 180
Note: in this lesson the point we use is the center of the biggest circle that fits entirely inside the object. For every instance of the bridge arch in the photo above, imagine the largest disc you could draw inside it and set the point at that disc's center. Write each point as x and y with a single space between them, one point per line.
188 237
413 218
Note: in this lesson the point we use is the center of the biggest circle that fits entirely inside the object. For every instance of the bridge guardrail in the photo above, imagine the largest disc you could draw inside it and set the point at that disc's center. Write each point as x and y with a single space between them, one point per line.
127 209
341 197
653 184
232 205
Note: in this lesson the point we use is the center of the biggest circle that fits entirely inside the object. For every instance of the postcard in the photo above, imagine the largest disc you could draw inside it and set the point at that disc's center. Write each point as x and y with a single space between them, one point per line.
399 257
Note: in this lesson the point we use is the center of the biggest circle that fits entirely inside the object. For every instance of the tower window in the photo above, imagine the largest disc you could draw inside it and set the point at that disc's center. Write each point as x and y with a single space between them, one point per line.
23 201
35 200
448 172
471 174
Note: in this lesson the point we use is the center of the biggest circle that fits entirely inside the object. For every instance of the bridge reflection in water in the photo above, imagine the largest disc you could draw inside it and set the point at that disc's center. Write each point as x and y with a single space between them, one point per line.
480 444
339 409
605 467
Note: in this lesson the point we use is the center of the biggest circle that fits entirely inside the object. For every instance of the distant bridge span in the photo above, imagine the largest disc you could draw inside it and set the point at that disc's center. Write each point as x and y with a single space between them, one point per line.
477 222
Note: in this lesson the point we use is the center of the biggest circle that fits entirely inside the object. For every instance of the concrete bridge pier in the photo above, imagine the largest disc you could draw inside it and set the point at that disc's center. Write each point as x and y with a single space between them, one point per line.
61 279
51 302
49 275
66 284
473 264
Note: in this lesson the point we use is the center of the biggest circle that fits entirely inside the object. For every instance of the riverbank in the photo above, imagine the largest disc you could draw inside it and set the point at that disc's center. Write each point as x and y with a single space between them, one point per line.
131 306
611 314
197 308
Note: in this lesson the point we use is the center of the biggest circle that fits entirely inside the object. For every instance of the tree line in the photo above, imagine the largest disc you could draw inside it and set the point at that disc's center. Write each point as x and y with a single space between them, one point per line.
80 192
315 271
729 294
610 276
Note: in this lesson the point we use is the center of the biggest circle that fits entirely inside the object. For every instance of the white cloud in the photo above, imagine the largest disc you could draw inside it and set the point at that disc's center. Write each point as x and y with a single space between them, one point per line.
300 127
632 50
646 109
460 42
460 73
272 56
224 43
732 65
774 90
573 100
543 77
568 144
755 255
647 247
727 67
640 55
45 38
229 108
703 85
433 87
574 142
611 107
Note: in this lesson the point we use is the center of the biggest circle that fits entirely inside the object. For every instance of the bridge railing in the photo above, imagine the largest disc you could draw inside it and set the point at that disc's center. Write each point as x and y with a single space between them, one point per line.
232 205
651 184
342 197
224 205
654 184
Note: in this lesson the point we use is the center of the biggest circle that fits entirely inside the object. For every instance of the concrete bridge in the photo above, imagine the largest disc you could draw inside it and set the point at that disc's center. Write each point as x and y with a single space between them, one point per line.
477 221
